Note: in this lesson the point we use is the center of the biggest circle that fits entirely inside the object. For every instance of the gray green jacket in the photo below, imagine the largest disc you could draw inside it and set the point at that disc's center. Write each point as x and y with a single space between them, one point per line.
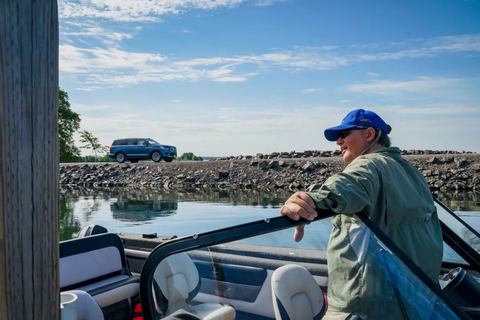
395 195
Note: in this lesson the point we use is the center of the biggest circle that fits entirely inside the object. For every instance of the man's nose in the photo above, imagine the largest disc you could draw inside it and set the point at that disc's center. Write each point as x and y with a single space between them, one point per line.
339 141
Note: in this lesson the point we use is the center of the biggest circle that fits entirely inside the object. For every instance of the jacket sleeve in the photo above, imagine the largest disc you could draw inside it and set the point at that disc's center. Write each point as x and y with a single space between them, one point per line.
353 190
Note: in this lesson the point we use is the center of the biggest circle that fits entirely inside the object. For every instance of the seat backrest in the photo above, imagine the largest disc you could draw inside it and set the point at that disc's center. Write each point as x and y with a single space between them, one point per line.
296 295
178 279
87 260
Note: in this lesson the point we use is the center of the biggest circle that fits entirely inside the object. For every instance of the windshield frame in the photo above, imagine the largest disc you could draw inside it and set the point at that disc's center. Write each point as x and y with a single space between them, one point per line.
456 242
257 228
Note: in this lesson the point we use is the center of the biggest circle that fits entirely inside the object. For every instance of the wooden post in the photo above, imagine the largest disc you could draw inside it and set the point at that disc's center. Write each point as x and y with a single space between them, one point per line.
29 207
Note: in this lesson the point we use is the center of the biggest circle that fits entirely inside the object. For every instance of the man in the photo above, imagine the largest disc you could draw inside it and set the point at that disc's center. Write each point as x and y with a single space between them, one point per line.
393 193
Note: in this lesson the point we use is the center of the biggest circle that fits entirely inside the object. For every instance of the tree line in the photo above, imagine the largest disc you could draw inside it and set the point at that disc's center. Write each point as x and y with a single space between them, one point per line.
69 123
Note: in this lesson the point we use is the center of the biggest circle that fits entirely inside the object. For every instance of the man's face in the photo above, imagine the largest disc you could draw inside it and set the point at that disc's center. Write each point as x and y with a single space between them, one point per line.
355 142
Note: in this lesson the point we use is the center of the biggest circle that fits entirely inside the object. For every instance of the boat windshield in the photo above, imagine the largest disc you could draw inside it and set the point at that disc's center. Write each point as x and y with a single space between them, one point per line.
208 273
459 227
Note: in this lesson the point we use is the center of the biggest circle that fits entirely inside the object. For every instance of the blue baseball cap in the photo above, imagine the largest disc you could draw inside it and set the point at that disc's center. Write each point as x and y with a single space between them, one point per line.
354 119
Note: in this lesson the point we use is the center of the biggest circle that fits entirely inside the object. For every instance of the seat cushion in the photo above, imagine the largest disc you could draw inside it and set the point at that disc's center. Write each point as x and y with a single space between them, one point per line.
112 290
214 311
87 308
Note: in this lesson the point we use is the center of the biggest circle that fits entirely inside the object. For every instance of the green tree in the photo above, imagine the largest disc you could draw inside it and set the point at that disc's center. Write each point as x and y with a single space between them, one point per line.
91 142
189 156
68 123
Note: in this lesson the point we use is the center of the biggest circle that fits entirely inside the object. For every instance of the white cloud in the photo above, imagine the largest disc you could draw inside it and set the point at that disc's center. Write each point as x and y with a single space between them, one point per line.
98 32
345 101
373 74
88 88
429 47
230 79
264 3
143 10
387 87
92 29
309 90
78 60
187 31
436 110
176 101
83 107
123 68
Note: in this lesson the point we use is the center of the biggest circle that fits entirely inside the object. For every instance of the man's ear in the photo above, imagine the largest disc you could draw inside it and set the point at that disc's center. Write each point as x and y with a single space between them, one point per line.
370 134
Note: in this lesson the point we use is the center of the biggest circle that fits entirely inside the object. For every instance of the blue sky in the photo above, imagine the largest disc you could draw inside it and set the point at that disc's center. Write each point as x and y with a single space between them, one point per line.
230 77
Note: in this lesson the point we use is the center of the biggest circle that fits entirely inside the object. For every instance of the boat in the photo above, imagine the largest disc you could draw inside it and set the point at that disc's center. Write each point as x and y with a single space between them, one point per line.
254 271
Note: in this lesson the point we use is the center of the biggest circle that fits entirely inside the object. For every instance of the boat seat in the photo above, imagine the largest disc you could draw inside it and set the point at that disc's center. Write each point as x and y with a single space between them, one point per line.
178 282
97 265
296 295
87 307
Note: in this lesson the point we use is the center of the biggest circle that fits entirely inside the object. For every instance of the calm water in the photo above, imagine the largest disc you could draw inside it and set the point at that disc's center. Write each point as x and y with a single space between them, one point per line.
182 213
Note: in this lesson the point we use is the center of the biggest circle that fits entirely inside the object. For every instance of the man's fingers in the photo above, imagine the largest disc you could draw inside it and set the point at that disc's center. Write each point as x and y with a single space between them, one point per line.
294 212
300 203
299 232
303 200
305 197
287 211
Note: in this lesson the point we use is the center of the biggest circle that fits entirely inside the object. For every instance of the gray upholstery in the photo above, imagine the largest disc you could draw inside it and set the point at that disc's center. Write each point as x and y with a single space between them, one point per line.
296 295
178 279
87 307
97 265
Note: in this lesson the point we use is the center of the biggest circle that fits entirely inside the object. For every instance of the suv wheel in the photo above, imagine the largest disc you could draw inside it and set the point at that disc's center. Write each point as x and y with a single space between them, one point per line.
156 156
120 157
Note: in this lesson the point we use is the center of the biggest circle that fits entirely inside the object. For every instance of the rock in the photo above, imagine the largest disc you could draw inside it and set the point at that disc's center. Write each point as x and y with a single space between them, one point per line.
433 160
254 163
447 160
427 173
263 165
462 163
273 164
114 173
233 164
180 176
309 166
259 155
223 174
283 164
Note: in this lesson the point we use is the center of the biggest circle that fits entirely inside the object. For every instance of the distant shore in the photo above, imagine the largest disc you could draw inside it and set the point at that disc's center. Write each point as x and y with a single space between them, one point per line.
460 171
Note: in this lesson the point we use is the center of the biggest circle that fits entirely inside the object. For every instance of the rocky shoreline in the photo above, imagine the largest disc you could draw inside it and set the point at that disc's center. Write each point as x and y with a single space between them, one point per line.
443 172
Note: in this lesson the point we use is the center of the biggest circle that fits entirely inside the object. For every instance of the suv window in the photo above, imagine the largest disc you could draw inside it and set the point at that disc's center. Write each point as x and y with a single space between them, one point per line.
118 143
153 142
141 142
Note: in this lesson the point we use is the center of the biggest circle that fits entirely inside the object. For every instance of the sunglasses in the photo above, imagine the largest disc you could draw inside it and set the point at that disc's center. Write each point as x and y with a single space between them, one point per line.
344 133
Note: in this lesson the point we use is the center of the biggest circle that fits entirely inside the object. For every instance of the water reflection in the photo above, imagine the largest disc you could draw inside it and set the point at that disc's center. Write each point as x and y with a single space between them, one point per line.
141 210
170 212
69 225
460 201
265 198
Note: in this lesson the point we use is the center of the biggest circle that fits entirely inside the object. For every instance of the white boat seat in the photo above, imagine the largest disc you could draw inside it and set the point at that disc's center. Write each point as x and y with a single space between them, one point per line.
87 307
296 295
178 280
97 265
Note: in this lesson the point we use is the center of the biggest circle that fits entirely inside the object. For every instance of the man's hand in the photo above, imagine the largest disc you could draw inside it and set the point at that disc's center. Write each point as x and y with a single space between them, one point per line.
299 205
